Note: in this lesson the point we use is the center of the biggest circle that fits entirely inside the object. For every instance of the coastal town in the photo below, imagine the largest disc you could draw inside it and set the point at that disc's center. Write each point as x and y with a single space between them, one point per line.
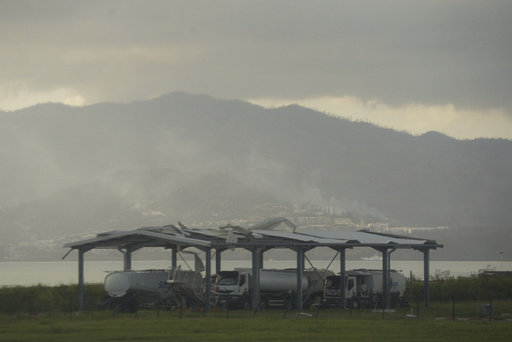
305 217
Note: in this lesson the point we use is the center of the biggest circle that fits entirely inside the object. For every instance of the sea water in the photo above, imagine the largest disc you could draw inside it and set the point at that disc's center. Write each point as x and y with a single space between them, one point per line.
25 273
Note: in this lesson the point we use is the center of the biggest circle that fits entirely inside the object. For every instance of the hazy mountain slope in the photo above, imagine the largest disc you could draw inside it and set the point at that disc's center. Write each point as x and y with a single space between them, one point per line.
190 156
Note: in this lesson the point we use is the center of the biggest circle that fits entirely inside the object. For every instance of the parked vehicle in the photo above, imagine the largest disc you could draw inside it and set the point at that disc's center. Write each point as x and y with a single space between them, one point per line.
277 288
364 289
127 290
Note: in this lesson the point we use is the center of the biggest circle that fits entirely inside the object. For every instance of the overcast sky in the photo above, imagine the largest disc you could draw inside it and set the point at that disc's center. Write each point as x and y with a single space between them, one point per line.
409 65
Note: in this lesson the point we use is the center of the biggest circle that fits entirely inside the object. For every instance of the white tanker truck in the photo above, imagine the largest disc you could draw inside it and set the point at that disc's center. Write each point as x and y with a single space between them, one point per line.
129 289
277 287
364 289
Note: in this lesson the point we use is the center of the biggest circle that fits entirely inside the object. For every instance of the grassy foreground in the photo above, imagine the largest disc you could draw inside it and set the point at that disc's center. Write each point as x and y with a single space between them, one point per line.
269 325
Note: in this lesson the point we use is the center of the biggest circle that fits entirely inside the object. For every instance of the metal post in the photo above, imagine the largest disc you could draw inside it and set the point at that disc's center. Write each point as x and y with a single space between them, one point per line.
300 268
208 280
127 259
255 278
218 260
80 279
342 279
385 279
174 262
426 275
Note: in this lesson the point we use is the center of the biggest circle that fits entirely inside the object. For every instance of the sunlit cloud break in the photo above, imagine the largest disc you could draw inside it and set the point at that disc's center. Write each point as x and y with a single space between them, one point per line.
20 98
415 119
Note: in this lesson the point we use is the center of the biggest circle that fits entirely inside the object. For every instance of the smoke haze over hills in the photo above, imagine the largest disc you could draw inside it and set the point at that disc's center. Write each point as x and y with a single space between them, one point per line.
193 158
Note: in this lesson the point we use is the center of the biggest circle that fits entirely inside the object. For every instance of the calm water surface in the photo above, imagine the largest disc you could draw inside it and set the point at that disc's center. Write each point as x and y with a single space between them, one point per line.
66 272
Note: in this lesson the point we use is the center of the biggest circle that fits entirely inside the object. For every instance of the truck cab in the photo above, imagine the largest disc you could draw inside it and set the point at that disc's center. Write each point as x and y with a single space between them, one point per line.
332 290
358 286
232 282
232 287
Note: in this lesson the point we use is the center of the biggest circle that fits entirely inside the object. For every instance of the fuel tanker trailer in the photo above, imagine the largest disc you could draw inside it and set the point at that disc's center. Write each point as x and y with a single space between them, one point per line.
364 289
129 289
277 287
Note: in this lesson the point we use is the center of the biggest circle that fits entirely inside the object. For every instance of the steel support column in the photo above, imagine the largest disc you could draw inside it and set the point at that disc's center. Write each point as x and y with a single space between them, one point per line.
174 261
218 259
81 253
127 259
208 280
342 278
300 268
385 279
426 275
255 278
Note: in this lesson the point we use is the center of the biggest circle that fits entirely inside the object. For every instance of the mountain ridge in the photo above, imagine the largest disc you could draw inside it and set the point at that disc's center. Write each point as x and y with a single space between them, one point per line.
194 157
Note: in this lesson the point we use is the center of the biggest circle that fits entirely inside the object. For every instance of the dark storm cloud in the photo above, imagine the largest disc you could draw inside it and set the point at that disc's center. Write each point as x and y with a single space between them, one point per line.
397 52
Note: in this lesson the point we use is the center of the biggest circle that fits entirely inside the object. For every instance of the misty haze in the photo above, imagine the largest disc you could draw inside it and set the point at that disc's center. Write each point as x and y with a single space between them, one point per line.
70 172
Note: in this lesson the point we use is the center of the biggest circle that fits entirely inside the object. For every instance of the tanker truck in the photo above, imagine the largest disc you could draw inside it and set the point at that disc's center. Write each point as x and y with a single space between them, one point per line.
364 289
277 288
129 289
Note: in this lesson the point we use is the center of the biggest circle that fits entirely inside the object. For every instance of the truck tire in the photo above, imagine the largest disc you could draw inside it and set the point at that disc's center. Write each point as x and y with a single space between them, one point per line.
117 308
364 303
132 306
247 304
354 304
119 305
288 303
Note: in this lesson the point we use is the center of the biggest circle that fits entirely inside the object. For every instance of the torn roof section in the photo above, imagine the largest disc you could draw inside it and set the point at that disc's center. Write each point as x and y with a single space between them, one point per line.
267 234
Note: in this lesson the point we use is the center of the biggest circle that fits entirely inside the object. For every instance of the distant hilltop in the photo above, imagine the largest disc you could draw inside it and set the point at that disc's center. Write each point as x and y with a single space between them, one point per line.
194 158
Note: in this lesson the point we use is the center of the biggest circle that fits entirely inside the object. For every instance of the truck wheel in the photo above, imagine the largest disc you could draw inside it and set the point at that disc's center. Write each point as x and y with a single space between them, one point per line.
118 307
354 304
247 304
263 304
288 303
132 305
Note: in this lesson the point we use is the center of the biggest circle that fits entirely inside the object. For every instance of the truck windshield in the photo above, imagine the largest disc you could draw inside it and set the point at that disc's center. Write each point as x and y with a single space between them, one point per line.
227 281
350 284
332 282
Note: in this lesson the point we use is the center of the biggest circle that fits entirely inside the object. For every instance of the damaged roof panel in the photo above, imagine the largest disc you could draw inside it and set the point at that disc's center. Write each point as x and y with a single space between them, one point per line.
265 234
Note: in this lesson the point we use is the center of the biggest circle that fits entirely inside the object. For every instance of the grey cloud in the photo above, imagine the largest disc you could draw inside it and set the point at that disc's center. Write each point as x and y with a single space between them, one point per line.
397 52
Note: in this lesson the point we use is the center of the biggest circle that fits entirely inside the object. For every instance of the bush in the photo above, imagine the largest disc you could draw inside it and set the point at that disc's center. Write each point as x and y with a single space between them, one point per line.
443 288
64 298
40 298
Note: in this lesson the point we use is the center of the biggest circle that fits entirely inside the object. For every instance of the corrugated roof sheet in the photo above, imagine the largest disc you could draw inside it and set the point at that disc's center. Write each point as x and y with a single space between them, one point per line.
363 237
168 235
301 237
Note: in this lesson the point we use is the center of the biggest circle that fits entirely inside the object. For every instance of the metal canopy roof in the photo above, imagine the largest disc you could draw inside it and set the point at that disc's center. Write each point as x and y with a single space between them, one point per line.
267 234
257 238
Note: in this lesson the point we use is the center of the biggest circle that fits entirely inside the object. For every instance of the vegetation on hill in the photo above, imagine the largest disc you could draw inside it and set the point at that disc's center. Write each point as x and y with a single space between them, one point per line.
197 159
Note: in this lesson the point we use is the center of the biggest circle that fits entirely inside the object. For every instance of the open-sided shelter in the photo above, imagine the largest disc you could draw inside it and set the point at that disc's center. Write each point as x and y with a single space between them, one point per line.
257 239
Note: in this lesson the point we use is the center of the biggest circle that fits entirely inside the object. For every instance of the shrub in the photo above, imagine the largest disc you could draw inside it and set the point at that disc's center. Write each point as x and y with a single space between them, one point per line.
40 298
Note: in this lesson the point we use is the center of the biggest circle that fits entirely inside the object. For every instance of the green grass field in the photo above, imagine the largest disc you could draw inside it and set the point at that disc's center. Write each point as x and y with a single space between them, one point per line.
268 325
42 313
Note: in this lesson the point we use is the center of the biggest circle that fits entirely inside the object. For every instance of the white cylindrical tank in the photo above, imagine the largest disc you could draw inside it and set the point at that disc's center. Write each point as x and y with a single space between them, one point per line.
117 284
398 282
286 280
315 279
280 281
